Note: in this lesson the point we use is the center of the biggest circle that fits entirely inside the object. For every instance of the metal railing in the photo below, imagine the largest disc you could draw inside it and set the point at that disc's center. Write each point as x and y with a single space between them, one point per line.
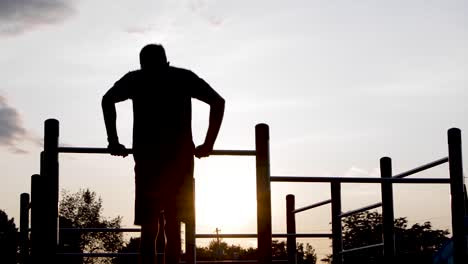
45 186
386 181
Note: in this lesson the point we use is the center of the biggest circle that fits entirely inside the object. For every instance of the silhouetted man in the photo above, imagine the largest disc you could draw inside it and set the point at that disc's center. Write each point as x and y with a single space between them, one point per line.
162 143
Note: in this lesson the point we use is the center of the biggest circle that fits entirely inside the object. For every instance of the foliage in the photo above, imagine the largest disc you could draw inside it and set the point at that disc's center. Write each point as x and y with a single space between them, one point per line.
416 244
8 239
220 250
306 255
83 209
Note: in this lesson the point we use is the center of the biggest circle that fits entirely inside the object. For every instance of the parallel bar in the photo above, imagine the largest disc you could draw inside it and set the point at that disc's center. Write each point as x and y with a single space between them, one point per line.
97 255
91 150
422 168
362 209
110 230
358 179
361 248
117 230
24 228
457 196
388 216
291 229
50 177
113 255
312 206
337 227
262 161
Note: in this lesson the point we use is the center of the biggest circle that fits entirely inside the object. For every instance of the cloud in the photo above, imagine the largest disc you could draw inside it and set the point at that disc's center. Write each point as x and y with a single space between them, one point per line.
19 16
11 129
201 7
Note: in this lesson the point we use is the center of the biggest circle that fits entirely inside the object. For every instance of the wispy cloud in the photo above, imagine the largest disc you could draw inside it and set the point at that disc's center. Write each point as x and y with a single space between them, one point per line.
11 128
201 7
19 16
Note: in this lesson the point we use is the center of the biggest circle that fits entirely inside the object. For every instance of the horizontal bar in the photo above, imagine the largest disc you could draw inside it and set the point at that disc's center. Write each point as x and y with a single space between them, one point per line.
116 230
311 206
361 248
111 230
88 150
362 209
357 179
113 255
422 168
98 254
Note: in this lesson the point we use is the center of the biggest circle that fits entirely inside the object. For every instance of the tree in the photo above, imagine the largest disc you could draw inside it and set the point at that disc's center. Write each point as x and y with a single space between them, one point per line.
416 244
306 255
8 239
83 209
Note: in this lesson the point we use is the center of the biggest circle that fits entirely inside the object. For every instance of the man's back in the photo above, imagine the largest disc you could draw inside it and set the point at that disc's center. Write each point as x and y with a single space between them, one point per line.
162 108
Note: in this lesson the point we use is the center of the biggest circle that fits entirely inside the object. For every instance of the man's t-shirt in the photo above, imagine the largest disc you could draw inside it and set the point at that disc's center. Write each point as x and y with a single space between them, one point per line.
162 110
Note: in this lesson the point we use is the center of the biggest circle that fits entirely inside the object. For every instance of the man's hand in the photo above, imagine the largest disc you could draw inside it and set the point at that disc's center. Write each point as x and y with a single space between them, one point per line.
117 149
203 151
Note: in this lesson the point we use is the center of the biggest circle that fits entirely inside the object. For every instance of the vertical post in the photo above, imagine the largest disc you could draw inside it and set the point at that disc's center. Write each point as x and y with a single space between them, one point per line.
24 228
291 228
190 229
387 211
337 236
263 194
37 219
51 185
457 195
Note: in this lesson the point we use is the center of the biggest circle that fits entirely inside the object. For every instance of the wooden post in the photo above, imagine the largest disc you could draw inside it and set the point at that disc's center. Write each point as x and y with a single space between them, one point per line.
458 198
190 229
263 194
387 211
51 186
337 235
291 228
24 228
37 219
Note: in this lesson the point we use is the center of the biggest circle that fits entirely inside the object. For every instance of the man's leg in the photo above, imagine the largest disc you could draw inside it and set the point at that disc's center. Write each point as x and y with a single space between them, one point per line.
149 233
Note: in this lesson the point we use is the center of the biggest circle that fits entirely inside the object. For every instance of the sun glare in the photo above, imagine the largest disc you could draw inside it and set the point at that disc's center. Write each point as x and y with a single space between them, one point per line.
225 195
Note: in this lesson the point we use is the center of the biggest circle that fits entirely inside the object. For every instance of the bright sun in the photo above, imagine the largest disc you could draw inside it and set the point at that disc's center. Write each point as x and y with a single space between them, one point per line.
225 195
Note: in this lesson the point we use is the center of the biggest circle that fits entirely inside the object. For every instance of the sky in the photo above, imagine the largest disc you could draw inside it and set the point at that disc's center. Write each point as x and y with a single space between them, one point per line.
340 83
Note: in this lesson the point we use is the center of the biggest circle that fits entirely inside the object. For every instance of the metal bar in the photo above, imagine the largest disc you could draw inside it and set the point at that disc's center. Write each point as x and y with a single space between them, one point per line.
312 206
97 254
291 229
51 188
362 248
305 235
113 255
422 168
388 217
116 230
37 232
262 146
358 179
24 228
91 150
337 229
110 230
458 197
362 209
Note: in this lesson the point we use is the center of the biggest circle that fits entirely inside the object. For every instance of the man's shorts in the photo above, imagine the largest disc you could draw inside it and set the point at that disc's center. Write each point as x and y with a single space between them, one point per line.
162 185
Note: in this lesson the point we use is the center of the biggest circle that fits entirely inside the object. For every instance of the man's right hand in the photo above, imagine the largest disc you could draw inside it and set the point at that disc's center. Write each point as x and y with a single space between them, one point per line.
203 151
117 149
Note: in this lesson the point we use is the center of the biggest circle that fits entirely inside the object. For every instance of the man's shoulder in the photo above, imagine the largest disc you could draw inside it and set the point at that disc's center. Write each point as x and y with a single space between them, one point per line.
180 71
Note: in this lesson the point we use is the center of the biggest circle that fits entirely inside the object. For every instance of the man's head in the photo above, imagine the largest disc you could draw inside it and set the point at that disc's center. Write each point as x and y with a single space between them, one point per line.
153 57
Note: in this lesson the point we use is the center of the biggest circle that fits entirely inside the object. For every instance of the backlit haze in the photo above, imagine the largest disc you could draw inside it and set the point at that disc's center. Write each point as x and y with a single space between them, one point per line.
340 83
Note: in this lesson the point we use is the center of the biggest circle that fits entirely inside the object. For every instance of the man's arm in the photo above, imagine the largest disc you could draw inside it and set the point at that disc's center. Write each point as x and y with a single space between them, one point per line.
114 95
216 117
